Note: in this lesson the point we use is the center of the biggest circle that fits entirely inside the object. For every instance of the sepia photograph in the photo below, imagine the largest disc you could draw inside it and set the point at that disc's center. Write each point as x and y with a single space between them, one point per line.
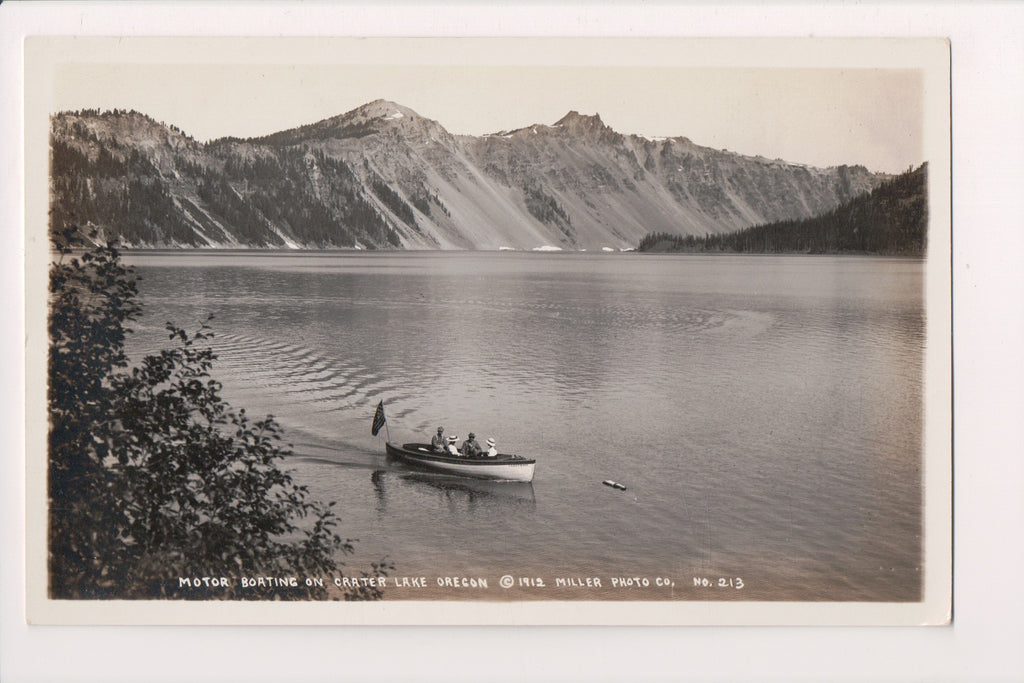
448 330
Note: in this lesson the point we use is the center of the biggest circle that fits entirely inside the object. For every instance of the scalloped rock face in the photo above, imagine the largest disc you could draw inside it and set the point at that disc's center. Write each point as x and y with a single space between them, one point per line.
382 176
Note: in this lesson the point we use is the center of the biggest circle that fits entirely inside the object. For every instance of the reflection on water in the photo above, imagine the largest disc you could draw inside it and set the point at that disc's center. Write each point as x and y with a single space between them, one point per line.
476 493
764 412
454 493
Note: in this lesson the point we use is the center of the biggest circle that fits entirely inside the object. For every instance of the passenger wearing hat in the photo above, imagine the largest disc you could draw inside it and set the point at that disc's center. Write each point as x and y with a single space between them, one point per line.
437 442
470 448
452 450
491 450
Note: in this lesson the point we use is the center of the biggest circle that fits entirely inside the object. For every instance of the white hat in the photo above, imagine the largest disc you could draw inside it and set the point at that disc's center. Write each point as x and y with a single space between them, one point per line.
453 438
490 442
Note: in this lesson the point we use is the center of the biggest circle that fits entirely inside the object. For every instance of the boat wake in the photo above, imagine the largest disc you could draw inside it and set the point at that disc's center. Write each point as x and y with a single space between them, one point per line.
299 385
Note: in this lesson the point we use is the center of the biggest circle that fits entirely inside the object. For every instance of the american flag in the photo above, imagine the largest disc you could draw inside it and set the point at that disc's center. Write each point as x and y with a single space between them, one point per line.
378 419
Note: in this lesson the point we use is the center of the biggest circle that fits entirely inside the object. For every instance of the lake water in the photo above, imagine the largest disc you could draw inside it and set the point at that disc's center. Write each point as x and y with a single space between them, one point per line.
764 412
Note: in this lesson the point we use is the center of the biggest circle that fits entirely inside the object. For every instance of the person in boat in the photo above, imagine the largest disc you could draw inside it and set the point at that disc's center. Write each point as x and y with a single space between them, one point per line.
470 448
491 450
452 450
438 442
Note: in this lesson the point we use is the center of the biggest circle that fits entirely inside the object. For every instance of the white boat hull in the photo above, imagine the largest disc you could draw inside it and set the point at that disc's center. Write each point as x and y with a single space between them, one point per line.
501 467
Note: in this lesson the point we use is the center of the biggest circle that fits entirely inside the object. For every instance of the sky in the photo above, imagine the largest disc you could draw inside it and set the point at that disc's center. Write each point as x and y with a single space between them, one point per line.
818 115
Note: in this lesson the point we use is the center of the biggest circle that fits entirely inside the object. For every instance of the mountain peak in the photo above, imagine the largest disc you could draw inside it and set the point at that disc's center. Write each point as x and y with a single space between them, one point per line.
574 119
373 117
372 113
382 109
380 115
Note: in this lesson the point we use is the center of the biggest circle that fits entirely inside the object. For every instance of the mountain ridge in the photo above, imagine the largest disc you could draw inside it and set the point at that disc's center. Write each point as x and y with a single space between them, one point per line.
384 176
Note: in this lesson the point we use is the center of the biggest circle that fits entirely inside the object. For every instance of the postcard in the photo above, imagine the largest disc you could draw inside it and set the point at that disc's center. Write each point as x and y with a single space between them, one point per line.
488 331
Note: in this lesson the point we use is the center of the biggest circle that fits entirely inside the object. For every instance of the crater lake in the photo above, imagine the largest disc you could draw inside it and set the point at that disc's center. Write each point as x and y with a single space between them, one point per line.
764 413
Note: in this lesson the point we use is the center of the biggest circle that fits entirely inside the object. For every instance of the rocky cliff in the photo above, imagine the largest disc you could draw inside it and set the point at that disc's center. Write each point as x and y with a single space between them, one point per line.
382 176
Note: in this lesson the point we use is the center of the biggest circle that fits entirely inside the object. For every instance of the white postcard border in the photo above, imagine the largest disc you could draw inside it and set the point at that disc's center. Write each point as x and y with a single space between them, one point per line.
906 655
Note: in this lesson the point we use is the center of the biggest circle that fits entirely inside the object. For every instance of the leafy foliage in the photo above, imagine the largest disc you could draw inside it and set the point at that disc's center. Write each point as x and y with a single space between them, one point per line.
91 298
152 475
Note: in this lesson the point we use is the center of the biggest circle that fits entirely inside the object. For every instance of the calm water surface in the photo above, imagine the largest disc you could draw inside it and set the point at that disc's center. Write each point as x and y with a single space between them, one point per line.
765 412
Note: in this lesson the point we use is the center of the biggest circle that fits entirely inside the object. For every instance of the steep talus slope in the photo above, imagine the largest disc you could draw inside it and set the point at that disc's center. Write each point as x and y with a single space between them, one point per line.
382 176
622 185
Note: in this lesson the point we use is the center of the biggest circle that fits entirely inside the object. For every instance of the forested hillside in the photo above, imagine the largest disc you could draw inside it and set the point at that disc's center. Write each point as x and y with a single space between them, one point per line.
891 219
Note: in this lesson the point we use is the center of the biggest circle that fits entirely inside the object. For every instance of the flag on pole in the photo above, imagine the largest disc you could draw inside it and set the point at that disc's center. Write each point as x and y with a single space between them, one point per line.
378 419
